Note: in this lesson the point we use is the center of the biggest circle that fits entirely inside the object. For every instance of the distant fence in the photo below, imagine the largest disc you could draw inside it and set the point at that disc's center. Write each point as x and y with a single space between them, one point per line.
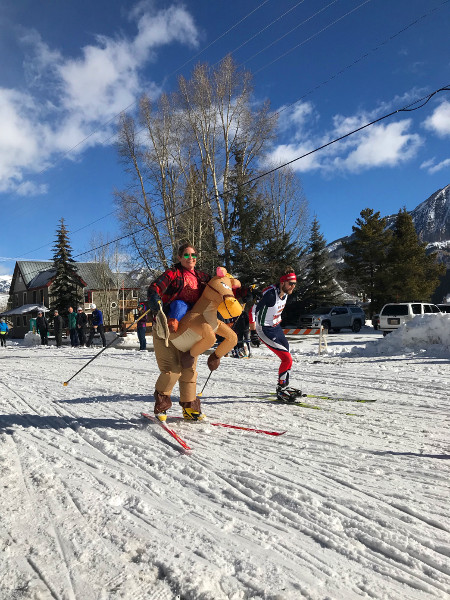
313 331
320 331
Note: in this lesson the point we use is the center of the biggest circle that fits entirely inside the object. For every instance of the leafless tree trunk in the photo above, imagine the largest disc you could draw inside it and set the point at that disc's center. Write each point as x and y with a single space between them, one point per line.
286 204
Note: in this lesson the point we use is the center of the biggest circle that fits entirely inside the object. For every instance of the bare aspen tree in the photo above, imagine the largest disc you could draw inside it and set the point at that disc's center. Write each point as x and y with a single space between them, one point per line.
286 204
217 103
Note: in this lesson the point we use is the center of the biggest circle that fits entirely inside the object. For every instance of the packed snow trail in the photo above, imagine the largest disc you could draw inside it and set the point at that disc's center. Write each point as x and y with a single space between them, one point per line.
97 504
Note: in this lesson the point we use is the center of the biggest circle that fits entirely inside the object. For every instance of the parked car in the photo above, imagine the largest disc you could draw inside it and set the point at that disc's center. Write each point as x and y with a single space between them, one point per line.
335 318
445 308
395 314
376 322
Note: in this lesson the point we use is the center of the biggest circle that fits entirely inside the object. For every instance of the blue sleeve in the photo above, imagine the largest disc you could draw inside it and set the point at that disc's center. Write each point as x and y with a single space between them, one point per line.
268 299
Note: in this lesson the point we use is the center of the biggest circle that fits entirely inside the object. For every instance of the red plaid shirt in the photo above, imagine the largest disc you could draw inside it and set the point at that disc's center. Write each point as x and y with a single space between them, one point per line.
170 284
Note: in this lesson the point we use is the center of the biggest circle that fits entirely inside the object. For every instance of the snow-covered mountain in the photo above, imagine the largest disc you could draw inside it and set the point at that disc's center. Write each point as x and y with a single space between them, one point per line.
431 219
5 283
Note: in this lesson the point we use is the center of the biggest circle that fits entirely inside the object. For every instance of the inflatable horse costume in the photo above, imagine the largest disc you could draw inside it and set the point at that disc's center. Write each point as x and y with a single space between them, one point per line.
196 332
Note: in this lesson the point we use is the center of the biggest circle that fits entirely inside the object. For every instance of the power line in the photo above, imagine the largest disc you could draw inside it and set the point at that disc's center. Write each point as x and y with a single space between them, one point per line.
408 108
289 32
312 36
264 29
387 40
114 117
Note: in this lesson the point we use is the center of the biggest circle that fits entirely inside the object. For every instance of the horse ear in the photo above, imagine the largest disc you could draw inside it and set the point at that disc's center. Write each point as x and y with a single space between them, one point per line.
221 272
235 283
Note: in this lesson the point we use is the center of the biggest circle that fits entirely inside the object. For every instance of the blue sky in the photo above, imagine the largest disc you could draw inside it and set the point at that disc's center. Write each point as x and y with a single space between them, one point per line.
329 66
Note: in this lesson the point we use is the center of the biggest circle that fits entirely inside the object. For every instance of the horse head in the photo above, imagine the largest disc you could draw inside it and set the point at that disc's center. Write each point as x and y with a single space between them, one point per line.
219 291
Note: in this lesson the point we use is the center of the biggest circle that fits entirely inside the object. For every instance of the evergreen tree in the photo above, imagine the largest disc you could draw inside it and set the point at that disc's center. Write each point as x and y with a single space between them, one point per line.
365 258
67 286
248 225
319 283
412 273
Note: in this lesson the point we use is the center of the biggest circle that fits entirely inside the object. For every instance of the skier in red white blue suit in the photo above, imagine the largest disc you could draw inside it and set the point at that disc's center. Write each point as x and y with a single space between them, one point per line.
265 319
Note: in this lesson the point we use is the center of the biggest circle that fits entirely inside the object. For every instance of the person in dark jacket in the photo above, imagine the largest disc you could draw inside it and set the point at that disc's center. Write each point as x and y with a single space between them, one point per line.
96 325
42 328
81 326
72 321
181 282
3 331
141 326
58 325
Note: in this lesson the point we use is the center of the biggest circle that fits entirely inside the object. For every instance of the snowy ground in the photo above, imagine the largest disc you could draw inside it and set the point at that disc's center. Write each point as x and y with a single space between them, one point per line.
352 502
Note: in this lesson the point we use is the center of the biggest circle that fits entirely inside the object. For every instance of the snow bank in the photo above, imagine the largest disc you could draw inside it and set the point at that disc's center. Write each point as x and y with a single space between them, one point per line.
32 339
425 334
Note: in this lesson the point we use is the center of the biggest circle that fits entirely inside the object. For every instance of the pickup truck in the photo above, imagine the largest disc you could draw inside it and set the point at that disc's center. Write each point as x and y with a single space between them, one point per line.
335 318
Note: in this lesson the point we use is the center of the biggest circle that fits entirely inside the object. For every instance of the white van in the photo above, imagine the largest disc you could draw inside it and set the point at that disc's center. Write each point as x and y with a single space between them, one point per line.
394 315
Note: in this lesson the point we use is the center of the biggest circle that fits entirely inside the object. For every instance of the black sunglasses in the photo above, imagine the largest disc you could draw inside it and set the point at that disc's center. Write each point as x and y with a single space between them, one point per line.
189 255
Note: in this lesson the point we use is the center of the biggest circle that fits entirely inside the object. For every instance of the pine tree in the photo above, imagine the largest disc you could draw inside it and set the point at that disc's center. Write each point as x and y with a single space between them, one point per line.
248 224
319 284
67 286
365 258
412 273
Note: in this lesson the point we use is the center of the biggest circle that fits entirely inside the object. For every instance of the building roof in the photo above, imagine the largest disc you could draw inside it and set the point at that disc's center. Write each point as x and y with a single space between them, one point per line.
26 308
38 273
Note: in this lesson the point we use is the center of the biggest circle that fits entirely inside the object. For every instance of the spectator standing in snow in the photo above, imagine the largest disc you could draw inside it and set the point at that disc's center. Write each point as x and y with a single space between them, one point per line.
96 325
181 282
42 328
3 331
241 328
265 321
141 326
81 321
72 321
58 325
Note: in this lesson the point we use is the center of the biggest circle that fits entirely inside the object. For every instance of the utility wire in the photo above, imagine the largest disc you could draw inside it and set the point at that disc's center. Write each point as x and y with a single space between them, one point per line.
264 29
420 102
114 117
416 21
368 53
289 32
311 37
408 108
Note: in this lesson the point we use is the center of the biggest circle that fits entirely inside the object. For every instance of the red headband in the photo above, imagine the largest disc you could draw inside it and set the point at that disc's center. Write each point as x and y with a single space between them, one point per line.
288 277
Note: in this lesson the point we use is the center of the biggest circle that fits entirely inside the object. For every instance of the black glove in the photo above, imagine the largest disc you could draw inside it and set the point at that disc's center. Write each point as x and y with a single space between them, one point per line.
255 339
154 301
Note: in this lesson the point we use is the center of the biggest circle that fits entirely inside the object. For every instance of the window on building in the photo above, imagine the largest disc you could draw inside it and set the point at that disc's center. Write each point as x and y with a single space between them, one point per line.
24 298
134 294
18 321
41 296
34 297
24 321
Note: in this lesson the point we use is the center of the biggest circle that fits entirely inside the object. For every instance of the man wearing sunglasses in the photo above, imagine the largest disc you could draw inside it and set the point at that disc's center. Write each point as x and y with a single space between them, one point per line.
181 285
265 319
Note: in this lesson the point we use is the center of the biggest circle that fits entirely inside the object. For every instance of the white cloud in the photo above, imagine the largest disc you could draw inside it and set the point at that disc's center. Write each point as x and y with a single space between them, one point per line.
71 97
379 145
439 121
433 167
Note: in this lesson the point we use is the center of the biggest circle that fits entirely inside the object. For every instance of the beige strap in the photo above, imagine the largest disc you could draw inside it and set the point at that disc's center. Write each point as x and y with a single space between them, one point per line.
162 328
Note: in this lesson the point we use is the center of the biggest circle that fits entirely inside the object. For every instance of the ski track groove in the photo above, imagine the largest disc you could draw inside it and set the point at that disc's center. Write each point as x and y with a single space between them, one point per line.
306 509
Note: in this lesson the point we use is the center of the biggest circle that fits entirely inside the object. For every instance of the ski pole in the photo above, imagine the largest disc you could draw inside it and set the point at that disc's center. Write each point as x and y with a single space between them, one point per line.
210 373
103 349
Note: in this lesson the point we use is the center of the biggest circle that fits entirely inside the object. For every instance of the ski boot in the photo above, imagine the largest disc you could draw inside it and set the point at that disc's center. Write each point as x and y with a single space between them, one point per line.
192 410
190 414
162 405
288 394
